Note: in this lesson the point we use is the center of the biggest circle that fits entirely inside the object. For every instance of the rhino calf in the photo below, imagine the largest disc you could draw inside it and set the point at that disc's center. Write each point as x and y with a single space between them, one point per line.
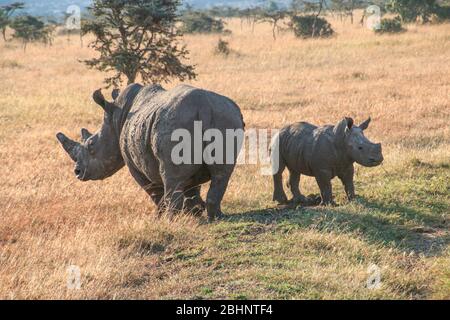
324 153
137 132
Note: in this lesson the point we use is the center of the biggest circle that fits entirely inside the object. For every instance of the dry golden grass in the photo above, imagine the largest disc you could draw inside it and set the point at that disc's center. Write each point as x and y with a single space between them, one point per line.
50 220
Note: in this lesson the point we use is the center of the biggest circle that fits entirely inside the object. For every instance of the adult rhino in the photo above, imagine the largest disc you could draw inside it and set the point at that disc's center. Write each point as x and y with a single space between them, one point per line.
137 132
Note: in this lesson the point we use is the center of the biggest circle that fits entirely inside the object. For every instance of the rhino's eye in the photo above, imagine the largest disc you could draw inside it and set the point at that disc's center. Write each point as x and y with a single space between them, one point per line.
360 148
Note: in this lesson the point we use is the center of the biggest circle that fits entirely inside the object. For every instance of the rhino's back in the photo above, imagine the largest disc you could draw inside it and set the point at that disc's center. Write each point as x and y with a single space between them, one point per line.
295 142
184 104
306 148
156 113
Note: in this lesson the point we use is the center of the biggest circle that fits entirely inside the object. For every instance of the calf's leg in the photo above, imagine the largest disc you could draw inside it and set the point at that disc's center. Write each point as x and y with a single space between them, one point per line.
324 182
294 181
278 192
347 180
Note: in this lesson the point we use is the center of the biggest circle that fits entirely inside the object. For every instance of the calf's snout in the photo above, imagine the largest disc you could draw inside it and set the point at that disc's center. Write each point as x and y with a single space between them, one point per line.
376 154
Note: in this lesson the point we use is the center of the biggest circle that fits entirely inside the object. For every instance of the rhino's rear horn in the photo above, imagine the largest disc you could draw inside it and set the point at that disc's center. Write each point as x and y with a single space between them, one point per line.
101 101
85 134
115 93
69 145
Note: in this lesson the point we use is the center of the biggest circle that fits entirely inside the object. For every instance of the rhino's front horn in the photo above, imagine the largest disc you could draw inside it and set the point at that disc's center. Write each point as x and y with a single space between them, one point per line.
69 145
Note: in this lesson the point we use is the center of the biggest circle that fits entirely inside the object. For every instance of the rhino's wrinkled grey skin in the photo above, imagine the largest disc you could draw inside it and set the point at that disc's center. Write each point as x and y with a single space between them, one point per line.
136 132
324 153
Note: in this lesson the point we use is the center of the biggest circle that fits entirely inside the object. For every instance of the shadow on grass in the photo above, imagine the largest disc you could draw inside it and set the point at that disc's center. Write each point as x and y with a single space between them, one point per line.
375 224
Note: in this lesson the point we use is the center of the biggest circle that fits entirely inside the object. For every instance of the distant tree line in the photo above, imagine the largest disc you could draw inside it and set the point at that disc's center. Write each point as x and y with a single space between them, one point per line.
26 28
306 18
140 38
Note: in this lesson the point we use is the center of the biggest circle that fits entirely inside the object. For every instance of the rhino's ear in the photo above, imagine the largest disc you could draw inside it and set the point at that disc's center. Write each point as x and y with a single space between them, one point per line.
101 101
343 126
115 93
85 134
365 124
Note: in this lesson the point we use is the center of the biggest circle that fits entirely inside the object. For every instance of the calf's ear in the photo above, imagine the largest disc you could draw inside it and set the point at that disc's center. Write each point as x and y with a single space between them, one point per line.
363 126
343 126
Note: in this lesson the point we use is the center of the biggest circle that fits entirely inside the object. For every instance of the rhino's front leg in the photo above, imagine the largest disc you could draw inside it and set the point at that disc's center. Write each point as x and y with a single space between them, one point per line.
154 190
346 178
193 201
324 181
173 196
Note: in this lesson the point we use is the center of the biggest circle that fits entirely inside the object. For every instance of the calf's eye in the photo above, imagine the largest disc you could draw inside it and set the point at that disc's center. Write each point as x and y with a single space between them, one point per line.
90 147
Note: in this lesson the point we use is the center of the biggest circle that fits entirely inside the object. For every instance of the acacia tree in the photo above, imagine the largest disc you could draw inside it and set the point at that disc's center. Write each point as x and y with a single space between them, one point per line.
6 12
137 37
346 8
273 15
29 29
274 18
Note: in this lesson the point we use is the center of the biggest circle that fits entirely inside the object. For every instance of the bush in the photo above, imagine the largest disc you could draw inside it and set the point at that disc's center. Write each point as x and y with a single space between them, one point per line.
200 22
311 27
222 48
390 26
410 10
442 13
30 29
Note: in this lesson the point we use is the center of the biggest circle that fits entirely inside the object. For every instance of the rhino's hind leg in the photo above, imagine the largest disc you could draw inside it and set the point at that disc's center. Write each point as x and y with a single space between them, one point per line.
193 202
278 192
294 182
220 176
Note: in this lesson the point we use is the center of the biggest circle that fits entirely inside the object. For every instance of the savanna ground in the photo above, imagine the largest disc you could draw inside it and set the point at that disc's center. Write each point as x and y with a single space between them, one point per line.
400 221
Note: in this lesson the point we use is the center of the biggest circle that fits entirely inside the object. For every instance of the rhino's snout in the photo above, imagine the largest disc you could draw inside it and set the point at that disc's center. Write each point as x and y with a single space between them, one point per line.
79 173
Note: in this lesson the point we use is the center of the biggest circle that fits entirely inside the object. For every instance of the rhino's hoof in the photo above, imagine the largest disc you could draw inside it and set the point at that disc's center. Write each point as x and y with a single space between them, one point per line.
196 211
301 200
281 201
218 216
328 204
